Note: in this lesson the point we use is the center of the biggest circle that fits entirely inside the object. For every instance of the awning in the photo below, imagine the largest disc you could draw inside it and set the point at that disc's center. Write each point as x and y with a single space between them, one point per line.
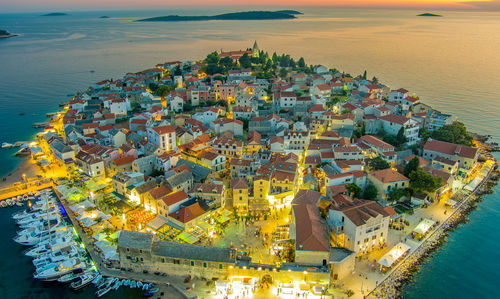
187 237
223 219
393 255
423 227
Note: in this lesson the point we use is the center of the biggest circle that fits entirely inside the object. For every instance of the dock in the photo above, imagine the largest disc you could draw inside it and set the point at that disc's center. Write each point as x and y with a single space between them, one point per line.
41 124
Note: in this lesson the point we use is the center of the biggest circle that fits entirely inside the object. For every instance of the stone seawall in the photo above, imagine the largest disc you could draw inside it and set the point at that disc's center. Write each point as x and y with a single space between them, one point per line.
391 286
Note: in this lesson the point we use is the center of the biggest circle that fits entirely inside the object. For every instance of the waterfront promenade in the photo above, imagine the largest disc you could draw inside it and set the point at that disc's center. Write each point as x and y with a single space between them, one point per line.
174 291
389 287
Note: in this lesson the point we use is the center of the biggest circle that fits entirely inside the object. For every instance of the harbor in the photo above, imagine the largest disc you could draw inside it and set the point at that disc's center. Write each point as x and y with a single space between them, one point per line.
58 253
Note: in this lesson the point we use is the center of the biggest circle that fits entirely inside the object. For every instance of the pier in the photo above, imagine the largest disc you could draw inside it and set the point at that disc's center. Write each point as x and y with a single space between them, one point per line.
22 188
41 124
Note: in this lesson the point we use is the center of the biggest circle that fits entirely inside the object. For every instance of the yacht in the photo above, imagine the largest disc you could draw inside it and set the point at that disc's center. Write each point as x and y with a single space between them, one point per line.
36 218
45 223
83 280
54 271
47 248
35 237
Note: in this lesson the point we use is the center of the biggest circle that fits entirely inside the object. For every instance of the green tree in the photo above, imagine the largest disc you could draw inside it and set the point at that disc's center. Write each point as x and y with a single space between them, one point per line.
401 138
411 166
213 58
378 163
422 181
371 192
283 72
301 62
354 190
177 71
186 107
245 122
345 111
454 133
245 61
364 75
163 91
153 87
226 62
396 194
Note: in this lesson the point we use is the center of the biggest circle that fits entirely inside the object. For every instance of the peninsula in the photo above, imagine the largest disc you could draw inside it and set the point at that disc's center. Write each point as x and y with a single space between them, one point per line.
428 14
245 15
6 34
246 173
55 14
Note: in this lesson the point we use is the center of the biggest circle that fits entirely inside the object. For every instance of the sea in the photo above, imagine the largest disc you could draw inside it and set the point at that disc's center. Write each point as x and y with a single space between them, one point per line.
451 63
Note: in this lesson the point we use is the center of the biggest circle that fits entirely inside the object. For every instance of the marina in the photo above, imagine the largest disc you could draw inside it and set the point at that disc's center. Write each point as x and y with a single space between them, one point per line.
58 254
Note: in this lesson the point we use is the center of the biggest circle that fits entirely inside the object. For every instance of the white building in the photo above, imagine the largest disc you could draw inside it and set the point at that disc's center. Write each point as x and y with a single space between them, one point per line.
163 137
358 224
392 123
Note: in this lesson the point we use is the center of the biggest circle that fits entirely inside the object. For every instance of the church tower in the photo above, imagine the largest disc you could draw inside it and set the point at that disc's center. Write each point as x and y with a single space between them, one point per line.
255 50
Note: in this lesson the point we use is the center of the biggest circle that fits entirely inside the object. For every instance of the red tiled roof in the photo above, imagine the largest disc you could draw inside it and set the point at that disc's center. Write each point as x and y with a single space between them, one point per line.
175 197
450 148
388 176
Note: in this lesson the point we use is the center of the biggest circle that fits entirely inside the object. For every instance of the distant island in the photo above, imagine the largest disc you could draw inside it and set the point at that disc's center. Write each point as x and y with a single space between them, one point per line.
290 12
427 14
6 34
104 17
245 15
55 14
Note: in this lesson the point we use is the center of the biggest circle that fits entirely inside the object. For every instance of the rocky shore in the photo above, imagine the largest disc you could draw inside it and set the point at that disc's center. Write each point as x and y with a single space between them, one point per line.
392 286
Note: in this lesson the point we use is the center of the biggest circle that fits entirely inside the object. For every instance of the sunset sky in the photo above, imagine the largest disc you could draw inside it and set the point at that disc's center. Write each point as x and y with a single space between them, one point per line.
61 5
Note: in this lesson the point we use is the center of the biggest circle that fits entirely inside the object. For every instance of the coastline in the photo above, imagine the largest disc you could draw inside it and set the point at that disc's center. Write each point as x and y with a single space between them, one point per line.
25 167
391 287
7 36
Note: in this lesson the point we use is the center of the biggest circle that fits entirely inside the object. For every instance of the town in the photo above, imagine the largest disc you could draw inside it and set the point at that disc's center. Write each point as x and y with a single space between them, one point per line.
249 174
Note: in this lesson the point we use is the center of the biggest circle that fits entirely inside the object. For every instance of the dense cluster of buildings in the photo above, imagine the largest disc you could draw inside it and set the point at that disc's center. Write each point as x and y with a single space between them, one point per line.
266 144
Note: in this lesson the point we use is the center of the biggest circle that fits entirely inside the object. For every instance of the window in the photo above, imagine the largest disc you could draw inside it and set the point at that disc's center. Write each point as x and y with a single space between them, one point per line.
162 260
204 265
220 266
177 262
192 263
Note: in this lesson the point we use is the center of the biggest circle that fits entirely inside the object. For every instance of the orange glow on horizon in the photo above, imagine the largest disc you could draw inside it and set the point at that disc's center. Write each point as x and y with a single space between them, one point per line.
46 5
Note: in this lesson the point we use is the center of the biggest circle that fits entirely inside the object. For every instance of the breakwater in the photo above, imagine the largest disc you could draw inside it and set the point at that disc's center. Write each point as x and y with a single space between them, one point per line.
393 283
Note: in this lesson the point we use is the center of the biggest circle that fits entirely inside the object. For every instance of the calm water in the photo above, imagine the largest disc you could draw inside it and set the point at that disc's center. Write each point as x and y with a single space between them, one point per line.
452 63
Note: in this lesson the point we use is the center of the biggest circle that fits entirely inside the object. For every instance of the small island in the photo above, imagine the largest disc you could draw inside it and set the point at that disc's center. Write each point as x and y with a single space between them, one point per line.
104 17
290 12
55 14
6 34
427 14
245 15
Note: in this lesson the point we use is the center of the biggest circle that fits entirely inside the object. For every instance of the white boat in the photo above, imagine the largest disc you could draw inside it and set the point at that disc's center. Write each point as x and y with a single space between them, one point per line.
37 218
97 280
46 224
126 283
52 272
6 145
83 280
139 285
35 237
117 284
153 290
48 248
67 277
103 291
133 284
55 256
33 210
